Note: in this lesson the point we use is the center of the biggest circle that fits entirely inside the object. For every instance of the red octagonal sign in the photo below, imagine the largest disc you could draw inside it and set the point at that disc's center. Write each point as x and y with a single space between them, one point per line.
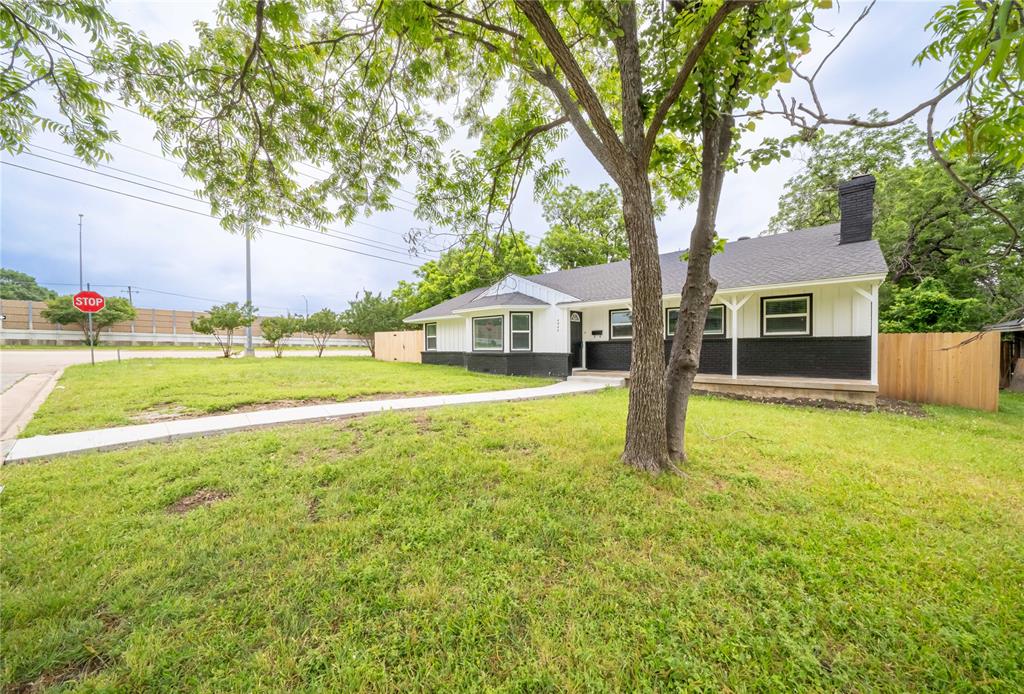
89 302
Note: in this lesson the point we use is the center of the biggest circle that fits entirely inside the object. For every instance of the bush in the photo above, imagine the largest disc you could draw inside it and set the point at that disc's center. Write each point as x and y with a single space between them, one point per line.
276 329
62 311
371 314
226 318
321 326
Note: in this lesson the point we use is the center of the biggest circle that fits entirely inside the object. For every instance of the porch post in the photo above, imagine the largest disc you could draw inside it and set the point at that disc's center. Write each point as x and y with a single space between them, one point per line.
874 334
872 298
734 309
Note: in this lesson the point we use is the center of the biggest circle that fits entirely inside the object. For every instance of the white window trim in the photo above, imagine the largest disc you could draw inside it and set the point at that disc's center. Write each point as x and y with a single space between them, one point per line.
804 314
717 333
500 348
512 332
611 326
427 338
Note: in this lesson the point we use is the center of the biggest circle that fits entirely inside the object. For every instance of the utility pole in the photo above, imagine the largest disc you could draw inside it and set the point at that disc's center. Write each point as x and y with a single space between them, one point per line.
249 352
130 302
80 275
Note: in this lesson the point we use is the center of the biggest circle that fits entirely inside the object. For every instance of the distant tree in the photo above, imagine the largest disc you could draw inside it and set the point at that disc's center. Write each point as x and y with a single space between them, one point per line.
370 314
586 227
478 262
927 225
227 319
928 308
321 326
276 329
62 311
37 44
18 285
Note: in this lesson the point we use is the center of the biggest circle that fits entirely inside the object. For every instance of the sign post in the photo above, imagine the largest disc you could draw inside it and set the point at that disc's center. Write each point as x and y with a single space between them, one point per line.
89 302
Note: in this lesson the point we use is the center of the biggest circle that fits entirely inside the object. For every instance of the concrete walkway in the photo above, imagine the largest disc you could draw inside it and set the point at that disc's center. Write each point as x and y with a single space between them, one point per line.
117 437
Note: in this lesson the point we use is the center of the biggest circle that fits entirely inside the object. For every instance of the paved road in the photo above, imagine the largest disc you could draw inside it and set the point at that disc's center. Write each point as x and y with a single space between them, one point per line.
28 375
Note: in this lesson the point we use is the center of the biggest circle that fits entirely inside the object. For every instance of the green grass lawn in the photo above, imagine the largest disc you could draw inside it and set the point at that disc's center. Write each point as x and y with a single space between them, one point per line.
141 390
504 547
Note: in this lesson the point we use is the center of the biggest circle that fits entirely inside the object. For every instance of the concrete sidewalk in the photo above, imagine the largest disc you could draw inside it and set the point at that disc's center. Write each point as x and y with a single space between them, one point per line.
117 437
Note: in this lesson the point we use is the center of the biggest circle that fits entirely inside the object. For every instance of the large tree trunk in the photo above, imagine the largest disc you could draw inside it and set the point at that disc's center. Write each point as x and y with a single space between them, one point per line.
645 422
699 287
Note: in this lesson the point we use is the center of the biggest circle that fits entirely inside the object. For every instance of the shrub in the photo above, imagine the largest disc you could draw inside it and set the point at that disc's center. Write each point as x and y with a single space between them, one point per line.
62 311
226 318
276 329
321 326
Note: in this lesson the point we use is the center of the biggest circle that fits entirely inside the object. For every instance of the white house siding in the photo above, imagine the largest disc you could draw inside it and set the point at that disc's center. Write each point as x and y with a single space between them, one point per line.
837 310
451 335
550 328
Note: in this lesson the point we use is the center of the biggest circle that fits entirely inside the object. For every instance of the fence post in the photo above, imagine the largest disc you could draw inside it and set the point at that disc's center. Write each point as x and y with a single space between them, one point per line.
29 315
174 326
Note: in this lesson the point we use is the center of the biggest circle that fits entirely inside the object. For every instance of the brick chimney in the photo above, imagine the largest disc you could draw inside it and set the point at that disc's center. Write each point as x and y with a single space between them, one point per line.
856 202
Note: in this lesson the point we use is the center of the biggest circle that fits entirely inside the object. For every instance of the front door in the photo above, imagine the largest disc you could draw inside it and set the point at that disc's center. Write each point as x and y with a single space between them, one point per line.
576 338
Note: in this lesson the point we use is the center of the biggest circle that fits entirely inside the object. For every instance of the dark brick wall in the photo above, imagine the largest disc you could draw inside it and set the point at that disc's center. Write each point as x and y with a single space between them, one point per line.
814 357
510 364
856 207
444 358
715 355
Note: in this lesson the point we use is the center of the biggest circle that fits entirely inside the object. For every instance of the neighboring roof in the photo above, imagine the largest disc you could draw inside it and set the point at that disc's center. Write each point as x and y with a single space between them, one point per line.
509 299
807 255
1010 326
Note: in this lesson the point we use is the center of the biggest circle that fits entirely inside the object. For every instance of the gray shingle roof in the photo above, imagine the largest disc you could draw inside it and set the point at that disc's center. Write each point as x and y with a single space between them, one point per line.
509 299
807 255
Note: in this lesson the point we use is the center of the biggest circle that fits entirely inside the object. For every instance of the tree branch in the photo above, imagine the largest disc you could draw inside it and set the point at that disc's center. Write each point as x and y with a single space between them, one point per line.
588 99
684 72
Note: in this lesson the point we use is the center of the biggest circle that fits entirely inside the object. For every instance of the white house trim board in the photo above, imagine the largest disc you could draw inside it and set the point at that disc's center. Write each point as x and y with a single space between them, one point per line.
734 306
872 299
518 283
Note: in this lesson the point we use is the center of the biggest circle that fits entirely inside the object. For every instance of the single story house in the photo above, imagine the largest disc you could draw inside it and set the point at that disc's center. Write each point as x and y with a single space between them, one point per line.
795 314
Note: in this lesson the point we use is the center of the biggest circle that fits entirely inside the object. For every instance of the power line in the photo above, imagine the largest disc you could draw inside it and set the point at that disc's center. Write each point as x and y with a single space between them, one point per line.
198 212
381 245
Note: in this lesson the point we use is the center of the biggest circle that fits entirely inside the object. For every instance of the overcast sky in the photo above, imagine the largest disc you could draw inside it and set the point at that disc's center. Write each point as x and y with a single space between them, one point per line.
161 251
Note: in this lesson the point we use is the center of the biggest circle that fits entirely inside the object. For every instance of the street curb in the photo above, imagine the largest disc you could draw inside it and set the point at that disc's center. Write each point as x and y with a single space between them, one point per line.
25 416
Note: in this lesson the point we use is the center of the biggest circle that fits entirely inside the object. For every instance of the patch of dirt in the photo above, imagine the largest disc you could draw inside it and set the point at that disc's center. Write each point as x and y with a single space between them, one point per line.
161 413
313 509
909 409
62 675
201 497
391 396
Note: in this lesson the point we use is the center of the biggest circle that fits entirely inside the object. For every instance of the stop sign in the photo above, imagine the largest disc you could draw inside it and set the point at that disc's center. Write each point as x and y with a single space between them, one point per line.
89 302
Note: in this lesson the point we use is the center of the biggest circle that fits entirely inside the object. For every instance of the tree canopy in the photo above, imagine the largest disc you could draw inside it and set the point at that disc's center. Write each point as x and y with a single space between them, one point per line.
927 225
476 263
371 313
18 285
585 227
39 51
61 310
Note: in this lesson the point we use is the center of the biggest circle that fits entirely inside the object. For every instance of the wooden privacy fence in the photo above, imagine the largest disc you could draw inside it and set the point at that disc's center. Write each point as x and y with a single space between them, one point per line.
403 345
940 368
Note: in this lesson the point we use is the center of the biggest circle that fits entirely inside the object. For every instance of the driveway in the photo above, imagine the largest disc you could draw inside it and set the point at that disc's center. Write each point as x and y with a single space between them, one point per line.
28 375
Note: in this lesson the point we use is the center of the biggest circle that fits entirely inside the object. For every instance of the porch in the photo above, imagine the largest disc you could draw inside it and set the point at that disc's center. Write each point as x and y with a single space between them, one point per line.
857 391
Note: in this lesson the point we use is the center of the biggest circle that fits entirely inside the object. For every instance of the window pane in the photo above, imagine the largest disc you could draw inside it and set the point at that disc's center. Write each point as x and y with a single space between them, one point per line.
783 306
715 321
520 321
622 324
431 330
431 342
672 320
487 333
792 324
520 340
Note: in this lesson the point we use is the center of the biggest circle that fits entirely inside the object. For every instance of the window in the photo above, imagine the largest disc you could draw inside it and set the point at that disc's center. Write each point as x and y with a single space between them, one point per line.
488 334
430 337
522 331
620 324
714 324
786 315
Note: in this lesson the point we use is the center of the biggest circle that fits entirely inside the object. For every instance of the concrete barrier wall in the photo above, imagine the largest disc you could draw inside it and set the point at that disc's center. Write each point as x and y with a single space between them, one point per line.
23 323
